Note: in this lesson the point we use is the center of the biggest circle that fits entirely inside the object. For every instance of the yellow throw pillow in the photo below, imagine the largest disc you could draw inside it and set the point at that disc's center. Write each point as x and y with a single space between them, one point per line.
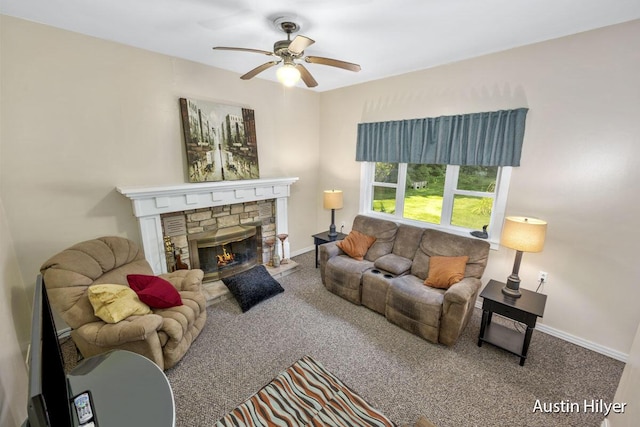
444 271
112 303
356 244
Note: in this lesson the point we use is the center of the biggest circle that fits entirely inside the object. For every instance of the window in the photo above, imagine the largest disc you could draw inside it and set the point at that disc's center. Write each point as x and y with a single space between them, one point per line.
456 198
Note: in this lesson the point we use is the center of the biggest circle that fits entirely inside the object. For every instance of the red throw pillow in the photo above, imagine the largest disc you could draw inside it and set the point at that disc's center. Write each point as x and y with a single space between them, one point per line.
154 291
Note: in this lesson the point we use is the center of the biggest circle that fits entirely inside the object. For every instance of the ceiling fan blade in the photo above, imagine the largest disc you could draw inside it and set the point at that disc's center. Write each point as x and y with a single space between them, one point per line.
306 76
299 44
332 62
244 49
258 70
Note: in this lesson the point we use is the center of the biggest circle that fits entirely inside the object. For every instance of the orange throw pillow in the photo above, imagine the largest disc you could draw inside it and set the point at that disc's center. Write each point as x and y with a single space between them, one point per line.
444 271
356 244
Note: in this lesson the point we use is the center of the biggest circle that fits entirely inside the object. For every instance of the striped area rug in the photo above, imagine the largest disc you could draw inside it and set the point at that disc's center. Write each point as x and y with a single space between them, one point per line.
306 394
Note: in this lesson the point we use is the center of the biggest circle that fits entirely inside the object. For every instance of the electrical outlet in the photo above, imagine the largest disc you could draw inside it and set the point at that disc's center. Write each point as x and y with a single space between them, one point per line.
543 276
343 224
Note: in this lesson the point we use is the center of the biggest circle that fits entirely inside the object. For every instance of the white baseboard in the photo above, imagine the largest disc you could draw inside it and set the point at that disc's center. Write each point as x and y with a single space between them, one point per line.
590 345
303 250
614 354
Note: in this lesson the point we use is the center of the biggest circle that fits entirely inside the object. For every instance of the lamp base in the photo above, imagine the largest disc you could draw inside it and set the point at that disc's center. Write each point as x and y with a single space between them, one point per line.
511 293
332 228
512 288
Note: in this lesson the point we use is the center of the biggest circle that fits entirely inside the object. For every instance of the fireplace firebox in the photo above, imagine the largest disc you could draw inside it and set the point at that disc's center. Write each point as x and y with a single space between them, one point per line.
227 251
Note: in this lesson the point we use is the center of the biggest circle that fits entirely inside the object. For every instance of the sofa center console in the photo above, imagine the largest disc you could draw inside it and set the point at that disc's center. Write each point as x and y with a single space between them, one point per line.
375 284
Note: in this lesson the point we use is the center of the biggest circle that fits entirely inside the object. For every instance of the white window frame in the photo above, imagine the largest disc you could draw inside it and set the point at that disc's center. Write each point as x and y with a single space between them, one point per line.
367 174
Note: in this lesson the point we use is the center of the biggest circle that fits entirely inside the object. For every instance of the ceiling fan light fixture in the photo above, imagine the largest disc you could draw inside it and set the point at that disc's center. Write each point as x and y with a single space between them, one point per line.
287 53
288 75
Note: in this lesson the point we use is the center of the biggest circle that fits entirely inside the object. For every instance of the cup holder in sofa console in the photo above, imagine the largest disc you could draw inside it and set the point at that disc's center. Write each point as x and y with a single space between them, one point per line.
388 276
374 271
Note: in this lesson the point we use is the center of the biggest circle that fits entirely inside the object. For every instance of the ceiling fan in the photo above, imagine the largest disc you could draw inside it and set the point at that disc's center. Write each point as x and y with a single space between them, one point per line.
289 53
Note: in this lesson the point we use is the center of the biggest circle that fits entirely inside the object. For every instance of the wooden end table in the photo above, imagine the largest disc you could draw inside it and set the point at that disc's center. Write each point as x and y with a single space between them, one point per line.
322 238
525 309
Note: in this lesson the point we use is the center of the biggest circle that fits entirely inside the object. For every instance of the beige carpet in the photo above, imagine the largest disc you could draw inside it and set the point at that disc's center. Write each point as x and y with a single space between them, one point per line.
402 375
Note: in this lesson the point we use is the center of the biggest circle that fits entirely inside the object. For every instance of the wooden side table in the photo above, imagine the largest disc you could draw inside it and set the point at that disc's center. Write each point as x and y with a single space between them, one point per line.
322 238
525 309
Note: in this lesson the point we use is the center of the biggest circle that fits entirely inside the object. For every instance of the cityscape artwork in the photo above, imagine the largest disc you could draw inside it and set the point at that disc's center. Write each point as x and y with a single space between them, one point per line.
220 141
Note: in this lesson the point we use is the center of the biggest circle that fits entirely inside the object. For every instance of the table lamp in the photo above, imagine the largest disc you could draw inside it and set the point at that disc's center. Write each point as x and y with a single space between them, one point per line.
524 235
332 200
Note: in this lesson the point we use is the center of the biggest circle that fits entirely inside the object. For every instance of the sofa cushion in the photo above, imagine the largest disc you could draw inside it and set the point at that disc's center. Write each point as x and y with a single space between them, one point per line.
343 276
356 244
407 240
68 274
393 264
440 243
375 285
253 286
113 303
414 306
444 271
383 230
154 291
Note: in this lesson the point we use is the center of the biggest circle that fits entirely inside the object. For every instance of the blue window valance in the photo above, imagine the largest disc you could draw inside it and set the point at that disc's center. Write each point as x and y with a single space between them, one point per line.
479 139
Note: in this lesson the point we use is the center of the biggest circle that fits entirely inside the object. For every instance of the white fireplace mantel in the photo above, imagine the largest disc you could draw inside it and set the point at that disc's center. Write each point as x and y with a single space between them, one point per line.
150 202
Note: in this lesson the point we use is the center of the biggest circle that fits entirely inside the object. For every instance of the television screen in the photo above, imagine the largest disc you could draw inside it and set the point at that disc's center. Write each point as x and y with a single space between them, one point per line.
48 404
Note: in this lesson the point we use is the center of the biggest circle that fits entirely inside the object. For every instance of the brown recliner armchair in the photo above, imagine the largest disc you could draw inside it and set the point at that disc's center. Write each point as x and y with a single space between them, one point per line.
163 336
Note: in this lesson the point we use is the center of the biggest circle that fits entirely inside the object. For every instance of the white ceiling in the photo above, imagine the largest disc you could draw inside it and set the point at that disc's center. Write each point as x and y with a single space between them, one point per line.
385 37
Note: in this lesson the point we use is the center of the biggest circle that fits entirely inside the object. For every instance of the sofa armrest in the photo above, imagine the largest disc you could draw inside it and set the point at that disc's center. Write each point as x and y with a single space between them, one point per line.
133 328
194 297
457 307
185 280
463 291
326 252
329 250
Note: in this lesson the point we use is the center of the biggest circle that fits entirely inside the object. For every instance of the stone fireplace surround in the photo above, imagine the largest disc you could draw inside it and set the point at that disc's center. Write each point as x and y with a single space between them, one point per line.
150 204
224 229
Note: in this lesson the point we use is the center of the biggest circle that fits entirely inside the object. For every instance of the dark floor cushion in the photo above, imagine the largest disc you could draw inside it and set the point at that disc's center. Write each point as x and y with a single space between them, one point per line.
252 286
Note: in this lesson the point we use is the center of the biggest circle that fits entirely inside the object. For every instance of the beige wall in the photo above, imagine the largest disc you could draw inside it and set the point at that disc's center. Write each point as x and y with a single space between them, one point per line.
15 321
82 116
579 166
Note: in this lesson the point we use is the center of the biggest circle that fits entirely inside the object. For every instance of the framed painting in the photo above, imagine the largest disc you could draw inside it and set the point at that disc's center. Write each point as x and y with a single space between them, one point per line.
220 140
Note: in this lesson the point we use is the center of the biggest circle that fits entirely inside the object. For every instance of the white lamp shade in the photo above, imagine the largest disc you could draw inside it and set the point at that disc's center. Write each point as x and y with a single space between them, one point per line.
332 199
288 75
523 234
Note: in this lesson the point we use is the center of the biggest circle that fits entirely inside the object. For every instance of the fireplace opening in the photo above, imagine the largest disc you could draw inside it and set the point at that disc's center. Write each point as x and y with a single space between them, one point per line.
227 251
